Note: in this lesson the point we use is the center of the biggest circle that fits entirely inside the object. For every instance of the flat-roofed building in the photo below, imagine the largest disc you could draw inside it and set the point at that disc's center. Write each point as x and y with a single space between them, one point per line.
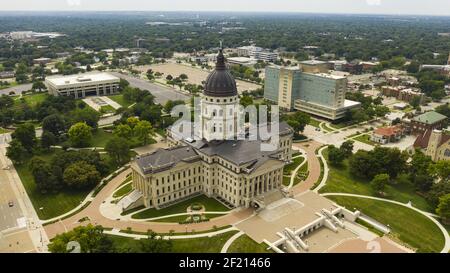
319 94
82 85
242 61
314 66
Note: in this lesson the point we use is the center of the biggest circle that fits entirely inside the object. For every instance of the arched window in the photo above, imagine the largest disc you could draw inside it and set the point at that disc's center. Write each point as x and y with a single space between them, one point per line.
214 112
220 113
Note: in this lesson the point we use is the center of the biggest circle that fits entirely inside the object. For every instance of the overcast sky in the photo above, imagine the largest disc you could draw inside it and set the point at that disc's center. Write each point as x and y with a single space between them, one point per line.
425 7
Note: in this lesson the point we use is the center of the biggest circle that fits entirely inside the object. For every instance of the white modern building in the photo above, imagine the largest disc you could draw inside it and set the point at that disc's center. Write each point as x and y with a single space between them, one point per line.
82 85
257 53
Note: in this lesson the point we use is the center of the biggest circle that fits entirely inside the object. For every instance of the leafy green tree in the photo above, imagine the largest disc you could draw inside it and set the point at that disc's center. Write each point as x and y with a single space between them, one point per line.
6 102
335 155
43 175
381 111
437 190
379 182
16 152
347 148
171 104
81 175
123 131
48 139
87 115
142 131
55 124
150 75
119 150
132 122
443 209
444 110
298 121
123 84
246 100
38 85
183 77
440 170
91 239
80 134
155 244
26 135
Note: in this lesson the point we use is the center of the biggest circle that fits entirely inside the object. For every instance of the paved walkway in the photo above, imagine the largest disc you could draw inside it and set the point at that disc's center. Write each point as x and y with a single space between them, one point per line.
175 237
294 173
446 248
326 170
96 218
230 241
310 148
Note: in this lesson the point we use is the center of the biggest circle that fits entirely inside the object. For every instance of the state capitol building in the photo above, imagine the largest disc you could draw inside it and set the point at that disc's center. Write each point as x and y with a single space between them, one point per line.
215 162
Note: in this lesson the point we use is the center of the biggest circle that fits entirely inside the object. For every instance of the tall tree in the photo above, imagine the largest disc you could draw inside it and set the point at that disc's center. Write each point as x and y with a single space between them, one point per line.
379 182
80 134
55 124
443 209
81 175
142 131
26 135
119 149
155 244
47 140
16 152
90 238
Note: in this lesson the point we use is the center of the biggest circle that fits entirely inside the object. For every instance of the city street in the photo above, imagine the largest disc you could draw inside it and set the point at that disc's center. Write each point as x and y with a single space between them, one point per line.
21 229
16 89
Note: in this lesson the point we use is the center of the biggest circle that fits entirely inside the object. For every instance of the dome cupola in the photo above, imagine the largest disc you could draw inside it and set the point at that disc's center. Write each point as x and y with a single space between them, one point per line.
220 82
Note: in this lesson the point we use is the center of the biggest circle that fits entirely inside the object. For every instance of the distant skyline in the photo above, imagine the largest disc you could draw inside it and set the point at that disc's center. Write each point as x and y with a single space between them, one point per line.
404 7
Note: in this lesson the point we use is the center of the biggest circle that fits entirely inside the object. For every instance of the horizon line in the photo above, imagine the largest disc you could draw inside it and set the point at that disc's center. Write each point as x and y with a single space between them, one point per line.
224 11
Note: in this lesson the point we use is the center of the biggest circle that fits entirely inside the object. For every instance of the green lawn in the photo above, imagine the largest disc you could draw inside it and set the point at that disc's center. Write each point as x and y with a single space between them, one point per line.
123 190
198 245
289 168
340 180
210 204
107 109
406 224
120 100
34 99
245 244
364 139
314 122
328 127
53 204
100 138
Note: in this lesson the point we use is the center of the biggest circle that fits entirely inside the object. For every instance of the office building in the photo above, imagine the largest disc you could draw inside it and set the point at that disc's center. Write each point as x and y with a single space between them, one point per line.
319 94
82 85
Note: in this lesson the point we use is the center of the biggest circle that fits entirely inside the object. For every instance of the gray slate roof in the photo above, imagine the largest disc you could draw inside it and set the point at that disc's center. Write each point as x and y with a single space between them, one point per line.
163 159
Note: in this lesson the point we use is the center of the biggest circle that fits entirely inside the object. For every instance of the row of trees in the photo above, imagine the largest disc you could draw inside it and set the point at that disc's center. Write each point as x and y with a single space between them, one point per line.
370 108
91 239
68 170
387 166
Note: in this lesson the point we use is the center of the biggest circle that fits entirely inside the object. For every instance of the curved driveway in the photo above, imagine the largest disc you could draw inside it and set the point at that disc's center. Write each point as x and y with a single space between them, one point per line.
96 218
